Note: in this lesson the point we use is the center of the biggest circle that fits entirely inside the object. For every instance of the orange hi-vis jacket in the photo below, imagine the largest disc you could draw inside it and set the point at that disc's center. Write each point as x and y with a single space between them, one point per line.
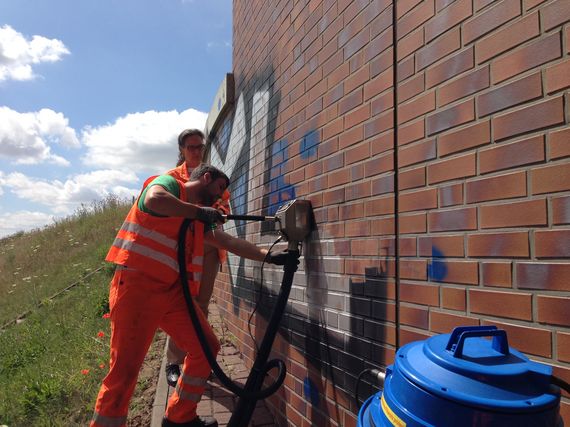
149 244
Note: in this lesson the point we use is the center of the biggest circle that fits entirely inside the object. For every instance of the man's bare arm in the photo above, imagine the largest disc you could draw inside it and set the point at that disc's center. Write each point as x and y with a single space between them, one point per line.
240 247
161 202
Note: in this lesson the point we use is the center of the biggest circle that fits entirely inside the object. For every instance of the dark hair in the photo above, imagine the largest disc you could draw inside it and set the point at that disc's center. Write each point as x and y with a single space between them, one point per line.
203 168
181 140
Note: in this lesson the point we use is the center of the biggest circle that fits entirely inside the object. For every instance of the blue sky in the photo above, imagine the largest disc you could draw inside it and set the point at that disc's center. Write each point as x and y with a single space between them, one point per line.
93 94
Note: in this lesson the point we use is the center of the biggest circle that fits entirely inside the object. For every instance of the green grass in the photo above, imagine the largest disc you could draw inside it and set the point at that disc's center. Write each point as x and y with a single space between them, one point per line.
43 356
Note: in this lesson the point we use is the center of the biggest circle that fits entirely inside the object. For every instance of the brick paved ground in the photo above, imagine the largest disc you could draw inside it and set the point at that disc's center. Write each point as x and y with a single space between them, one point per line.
217 402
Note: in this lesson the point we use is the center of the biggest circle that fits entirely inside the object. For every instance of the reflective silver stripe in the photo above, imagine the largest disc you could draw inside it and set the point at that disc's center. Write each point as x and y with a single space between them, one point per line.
129 245
197 277
185 395
151 234
198 260
109 421
193 381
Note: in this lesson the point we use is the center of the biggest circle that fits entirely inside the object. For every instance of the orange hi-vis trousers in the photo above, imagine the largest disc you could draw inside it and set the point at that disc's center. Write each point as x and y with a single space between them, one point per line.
139 306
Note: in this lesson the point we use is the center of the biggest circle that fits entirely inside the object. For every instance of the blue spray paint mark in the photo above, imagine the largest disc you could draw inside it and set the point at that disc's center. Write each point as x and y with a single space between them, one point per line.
437 270
309 144
311 391
279 190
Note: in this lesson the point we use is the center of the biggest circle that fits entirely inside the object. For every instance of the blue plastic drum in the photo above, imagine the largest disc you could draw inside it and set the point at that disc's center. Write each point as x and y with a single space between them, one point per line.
462 379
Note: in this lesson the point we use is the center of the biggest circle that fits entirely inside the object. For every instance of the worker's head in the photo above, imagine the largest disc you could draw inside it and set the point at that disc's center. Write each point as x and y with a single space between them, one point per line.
212 183
190 147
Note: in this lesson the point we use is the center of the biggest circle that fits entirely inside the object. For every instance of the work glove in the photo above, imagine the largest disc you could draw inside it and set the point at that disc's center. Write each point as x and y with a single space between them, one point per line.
209 216
278 257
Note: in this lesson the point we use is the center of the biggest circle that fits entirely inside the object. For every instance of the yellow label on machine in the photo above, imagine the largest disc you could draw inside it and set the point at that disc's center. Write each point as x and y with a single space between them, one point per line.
392 417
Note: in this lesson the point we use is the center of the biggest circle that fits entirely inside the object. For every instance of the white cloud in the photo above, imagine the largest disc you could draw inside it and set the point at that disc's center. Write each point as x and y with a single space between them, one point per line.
63 197
140 142
18 54
25 138
13 222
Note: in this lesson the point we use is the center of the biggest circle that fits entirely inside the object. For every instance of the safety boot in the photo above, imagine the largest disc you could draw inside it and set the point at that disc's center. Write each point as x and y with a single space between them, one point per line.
196 422
172 374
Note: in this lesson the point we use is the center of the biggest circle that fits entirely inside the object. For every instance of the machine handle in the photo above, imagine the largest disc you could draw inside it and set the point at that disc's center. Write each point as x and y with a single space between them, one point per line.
457 339
249 217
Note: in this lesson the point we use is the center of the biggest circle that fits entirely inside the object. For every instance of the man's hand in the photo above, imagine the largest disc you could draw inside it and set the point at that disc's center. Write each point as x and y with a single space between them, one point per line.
278 257
209 216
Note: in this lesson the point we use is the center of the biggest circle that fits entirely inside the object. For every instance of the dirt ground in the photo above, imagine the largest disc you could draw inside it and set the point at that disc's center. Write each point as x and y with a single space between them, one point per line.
140 412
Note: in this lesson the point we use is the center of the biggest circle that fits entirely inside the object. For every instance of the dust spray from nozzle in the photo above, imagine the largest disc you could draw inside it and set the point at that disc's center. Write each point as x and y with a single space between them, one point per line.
294 219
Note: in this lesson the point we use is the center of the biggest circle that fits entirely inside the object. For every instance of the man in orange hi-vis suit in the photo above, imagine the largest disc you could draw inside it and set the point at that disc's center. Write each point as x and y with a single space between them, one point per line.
191 149
146 293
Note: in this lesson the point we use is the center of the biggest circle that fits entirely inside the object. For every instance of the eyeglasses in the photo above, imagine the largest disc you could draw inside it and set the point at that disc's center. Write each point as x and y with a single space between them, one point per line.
194 147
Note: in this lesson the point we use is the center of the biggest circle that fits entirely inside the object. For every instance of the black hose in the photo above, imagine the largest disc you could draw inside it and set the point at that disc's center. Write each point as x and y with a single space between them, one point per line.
378 373
224 379
560 383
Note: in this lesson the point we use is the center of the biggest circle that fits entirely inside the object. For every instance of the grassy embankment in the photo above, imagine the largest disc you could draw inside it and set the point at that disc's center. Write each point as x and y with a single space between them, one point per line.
52 360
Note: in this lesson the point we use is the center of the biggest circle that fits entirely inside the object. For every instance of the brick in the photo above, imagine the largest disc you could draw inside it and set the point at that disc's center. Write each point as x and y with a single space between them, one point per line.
415 223
361 247
416 153
529 4
357 228
357 191
438 49
441 4
383 185
407 246
417 107
552 244
334 128
404 6
559 143
529 56
352 211
509 95
451 67
379 124
496 274
492 18
379 165
411 87
352 136
414 316
380 206
379 84
495 188
465 138
405 68
382 227
378 44
450 117
381 63
524 152
498 245
410 44
481 4
445 246
529 340
423 12
336 161
549 179
447 271
501 304
333 196
382 103
413 269
453 298
561 210
451 195
350 101
563 346
444 323
407 336
564 374
357 153
453 220
558 77
382 143
412 178
507 38
519 214
545 276
451 16
553 310
419 294
468 84
418 200
411 132
457 167
555 14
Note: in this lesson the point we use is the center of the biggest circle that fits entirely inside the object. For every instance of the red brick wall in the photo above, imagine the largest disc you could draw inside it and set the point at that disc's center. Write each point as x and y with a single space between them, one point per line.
470 228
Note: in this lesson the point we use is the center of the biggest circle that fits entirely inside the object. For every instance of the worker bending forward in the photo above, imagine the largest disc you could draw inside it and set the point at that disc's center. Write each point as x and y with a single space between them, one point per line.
146 293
